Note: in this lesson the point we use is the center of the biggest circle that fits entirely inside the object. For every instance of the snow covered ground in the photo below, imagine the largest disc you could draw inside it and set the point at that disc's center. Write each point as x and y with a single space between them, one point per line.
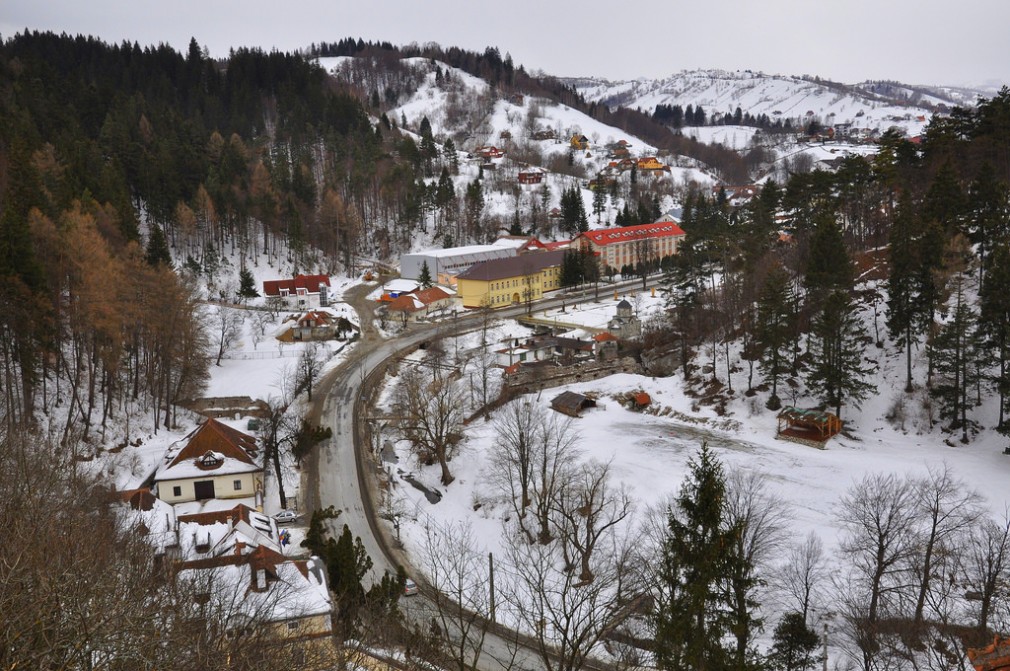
649 452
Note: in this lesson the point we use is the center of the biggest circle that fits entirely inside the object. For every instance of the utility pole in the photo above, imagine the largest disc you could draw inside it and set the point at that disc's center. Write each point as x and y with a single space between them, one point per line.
490 565
825 660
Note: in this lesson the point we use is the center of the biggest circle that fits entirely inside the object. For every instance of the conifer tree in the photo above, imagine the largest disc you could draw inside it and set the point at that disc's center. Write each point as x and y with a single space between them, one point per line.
157 248
904 320
246 284
776 329
828 265
954 351
837 374
994 322
424 277
692 610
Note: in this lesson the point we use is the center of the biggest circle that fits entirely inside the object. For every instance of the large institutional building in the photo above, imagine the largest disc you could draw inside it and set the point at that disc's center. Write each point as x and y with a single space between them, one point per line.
511 280
621 246
444 264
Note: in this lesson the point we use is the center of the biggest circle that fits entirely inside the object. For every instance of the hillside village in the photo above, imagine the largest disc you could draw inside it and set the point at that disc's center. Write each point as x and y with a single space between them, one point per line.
815 312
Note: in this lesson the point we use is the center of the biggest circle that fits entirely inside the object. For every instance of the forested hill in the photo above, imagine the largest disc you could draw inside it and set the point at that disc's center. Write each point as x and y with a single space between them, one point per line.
106 150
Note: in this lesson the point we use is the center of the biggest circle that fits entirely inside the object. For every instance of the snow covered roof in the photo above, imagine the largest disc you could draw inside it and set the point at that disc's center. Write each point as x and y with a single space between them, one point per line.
213 448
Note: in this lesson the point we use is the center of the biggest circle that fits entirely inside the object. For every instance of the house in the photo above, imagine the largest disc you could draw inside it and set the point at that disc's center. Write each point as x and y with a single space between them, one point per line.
488 152
651 164
311 325
521 351
627 245
508 281
505 135
571 404
517 99
289 597
420 304
532 175
214 461
301 290
601 182
545 134
580 142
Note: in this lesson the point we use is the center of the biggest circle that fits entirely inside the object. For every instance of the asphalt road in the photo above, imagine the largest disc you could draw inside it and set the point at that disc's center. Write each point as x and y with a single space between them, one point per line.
341 471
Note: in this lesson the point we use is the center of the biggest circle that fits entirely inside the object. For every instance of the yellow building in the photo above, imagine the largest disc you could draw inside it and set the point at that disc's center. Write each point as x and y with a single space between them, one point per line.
502 282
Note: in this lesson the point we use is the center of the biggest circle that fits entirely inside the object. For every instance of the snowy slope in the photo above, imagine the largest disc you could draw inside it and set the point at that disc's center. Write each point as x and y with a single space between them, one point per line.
720 92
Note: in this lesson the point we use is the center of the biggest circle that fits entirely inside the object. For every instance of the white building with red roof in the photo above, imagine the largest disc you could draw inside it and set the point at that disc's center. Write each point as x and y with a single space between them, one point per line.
621 246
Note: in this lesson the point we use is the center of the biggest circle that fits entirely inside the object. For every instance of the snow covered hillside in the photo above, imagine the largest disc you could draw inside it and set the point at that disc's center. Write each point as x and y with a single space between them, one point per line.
870 105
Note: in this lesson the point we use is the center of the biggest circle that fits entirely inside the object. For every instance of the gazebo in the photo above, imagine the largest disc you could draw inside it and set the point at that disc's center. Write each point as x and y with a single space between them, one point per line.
807 426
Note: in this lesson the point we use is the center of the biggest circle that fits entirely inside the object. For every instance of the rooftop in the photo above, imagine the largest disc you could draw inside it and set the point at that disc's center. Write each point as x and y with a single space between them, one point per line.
514 266
607 236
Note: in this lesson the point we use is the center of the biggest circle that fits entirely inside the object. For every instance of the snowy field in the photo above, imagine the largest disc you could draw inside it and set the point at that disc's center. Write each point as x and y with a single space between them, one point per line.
649 454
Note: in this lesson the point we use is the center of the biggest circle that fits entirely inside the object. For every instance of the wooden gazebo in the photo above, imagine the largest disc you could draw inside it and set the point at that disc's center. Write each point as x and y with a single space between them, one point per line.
807 426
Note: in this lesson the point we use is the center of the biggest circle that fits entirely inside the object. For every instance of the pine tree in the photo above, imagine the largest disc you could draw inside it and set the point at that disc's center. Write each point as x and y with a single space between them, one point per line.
828 265
157 248
424 277
599 201
904 320
691 616
246 284
836 374
776 329
994 322
954 351
794 645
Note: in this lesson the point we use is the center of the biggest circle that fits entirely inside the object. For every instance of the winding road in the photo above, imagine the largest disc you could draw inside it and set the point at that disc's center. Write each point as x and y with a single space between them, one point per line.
341 472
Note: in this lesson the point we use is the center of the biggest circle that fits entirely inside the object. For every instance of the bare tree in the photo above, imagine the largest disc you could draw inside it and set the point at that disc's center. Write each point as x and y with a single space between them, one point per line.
517 428
310 363
878 517
227 328
986 565
458 571
947 509
802 577
588 507
567 618
429 403
759 519
554 456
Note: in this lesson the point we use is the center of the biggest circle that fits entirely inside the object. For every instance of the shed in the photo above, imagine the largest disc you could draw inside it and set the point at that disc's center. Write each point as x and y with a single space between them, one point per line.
807 426
571 403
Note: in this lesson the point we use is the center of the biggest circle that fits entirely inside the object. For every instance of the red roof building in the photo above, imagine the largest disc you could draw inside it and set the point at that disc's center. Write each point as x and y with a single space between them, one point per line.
627 245
300 284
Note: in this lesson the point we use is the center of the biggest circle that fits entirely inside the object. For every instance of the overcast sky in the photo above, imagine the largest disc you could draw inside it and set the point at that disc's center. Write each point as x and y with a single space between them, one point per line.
914 41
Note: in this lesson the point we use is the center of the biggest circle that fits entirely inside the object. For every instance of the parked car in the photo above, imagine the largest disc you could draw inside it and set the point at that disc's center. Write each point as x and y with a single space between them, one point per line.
409 588
287 516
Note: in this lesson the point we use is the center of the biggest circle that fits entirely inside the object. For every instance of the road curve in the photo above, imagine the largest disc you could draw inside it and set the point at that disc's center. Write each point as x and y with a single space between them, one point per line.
341 471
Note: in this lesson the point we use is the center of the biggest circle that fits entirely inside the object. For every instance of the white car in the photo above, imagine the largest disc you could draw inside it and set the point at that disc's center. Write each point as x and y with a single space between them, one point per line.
287 516
409 588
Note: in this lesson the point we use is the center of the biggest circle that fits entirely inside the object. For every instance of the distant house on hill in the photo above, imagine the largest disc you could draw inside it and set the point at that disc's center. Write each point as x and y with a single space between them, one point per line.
580 142
532 175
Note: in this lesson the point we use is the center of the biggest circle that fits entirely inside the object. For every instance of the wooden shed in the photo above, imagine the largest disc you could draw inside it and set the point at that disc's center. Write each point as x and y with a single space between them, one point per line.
571 403
810 427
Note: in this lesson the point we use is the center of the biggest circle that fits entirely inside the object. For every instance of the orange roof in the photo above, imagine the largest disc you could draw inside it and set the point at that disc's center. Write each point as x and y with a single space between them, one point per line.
213 436
606 336
641 398
239 512
609 236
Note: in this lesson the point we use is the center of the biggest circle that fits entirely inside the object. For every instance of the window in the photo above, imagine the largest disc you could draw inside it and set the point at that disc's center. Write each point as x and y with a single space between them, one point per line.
293 624
177 491
237 484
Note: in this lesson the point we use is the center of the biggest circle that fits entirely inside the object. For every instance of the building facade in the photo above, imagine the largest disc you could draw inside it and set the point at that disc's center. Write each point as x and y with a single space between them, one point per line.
445 264
510 281
622 246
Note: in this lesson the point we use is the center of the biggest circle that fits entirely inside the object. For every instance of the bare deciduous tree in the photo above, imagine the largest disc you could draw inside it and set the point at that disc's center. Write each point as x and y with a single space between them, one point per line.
429 403
802 578
459 573
587 509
